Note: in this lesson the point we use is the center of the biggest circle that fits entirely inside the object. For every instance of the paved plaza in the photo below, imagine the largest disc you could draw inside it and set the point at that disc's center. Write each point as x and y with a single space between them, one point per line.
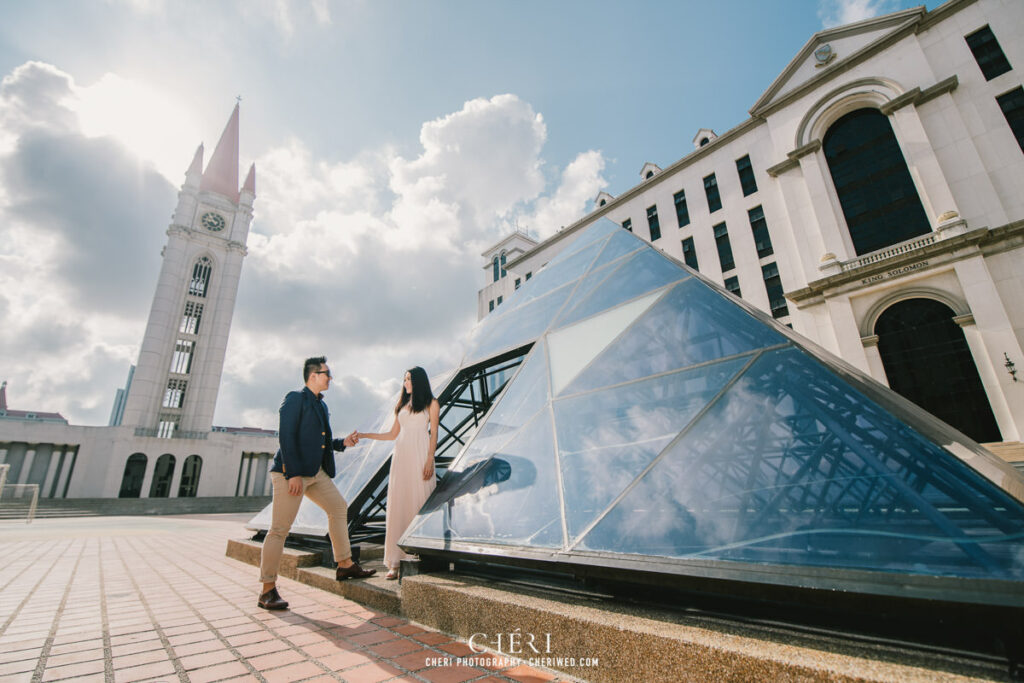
155 599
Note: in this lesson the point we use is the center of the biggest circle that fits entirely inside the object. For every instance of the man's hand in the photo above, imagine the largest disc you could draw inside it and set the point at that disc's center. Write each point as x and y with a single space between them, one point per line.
295 486
351 440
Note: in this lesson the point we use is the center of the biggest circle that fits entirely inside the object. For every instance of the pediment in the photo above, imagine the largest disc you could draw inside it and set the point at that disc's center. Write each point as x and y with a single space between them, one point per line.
828 49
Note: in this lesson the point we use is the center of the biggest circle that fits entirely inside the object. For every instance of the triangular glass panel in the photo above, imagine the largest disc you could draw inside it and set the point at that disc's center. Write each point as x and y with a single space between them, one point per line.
509 498
638 275
516 328
572 347
620 244
606 438
595 233
793 466
551 278
692 324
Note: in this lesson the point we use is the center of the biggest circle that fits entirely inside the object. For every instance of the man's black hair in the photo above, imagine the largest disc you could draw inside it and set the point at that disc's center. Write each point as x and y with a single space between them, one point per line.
311 365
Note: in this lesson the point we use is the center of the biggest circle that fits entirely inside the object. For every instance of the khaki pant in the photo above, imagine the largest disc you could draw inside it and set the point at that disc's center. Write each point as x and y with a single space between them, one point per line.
322 491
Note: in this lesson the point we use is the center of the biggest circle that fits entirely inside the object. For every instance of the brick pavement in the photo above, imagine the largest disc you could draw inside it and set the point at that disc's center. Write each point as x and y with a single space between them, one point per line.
131 599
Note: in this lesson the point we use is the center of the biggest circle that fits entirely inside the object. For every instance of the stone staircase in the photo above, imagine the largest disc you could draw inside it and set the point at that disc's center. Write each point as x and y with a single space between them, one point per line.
16 508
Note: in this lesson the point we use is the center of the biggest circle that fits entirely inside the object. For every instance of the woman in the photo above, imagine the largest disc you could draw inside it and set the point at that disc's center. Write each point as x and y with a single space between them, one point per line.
412 465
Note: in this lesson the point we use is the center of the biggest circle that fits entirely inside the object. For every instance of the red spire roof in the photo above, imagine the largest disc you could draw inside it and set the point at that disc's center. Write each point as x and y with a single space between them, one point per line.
221 174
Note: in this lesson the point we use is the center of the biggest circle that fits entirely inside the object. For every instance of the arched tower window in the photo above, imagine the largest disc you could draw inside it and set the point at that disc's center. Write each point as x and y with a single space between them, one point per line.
200 282
876 192
503 264
927 360
162 475
190 472
495 268
134 473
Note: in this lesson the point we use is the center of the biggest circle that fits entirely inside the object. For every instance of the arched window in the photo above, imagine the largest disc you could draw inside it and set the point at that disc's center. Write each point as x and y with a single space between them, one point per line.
190 472
495 268
650 174
927 360
134 473
704 141
503 264
162 475
200 281
875 189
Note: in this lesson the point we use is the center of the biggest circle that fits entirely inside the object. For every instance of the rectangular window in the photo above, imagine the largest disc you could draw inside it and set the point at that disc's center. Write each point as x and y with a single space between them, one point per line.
988 53
490 305
174 397
181 362
758 225
190 320
628 224
168 425
518 282
200 281
499 300
711 190
653 223
1012 104
689 253
773 285
733 285
682 213
746 172
529 275
724 247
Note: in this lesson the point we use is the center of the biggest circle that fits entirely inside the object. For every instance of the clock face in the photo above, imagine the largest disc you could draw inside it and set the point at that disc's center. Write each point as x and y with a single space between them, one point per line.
213 222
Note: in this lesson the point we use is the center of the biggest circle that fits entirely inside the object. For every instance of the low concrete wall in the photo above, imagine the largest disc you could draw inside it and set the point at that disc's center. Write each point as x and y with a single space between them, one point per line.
81 507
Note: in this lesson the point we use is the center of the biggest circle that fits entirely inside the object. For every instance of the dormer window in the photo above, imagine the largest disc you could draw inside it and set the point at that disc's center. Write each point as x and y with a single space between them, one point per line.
704 141
650 174
704 137
649 171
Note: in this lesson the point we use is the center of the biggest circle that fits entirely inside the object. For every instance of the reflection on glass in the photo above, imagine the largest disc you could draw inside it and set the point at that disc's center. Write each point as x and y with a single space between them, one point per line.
518 327
600 230
794 466
620 244
551 278
692 324
514 501
637 275
607 438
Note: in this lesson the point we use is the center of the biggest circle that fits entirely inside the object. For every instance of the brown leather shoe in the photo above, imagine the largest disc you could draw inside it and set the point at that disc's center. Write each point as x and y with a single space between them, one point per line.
272 600
353 572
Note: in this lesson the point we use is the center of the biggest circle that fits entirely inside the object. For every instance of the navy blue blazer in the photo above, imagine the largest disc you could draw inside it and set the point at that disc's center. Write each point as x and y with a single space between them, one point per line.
303 435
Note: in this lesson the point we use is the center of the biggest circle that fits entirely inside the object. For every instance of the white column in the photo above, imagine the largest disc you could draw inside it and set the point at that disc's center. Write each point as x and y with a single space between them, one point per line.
825 206
989 378
922 163
26 464
847 335
877 368
179 467
147 479
65 472
51 472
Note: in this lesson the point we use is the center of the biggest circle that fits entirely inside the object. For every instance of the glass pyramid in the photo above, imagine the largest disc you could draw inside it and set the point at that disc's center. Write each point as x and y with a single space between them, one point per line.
661 425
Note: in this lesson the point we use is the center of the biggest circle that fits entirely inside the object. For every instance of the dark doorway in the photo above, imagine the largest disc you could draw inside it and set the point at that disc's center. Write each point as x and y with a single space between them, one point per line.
190 472
875 189
927 360
162 475
134 473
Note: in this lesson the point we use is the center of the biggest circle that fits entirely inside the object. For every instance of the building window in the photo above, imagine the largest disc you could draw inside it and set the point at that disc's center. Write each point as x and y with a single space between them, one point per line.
988 53
174 396
134 473
653 223
503 264
190 472
650 174
200 277
689 253
163 473
1012 104
682 213
602 202
773 285
877 194
704 141
518 282
724 247
499 300
168 425
490 305
758 225
181 361
711 190
495 269
733 285
746 172
628 224
529 275
190 320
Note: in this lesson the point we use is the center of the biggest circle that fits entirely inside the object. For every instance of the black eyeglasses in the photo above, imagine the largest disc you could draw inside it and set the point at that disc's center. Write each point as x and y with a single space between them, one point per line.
323 372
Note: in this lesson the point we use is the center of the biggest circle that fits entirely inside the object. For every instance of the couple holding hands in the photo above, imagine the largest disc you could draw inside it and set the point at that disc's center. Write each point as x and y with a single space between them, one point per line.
304 465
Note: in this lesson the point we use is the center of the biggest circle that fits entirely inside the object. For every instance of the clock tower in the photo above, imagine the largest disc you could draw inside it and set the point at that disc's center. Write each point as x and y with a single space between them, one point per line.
174 389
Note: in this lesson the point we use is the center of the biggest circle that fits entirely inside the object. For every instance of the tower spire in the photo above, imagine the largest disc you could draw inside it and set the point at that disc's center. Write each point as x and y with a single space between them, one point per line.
250 181
221 175
196 167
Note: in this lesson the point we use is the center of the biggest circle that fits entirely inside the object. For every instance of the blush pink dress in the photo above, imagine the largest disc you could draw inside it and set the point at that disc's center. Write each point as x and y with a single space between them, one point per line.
407 490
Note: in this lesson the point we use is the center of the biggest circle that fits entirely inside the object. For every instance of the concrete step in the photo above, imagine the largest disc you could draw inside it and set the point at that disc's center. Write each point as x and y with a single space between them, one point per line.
1010 451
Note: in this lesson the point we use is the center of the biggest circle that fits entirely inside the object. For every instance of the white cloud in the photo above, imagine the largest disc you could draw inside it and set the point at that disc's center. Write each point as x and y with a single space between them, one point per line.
840 12
373 261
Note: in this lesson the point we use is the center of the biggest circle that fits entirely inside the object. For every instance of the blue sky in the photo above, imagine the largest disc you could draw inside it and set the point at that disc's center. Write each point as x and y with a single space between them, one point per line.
399 138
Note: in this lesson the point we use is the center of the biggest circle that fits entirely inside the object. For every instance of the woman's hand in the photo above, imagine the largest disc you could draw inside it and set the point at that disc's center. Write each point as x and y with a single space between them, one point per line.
428 471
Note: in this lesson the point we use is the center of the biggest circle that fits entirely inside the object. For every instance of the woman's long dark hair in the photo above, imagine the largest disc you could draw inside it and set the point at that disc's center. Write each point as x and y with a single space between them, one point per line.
421 397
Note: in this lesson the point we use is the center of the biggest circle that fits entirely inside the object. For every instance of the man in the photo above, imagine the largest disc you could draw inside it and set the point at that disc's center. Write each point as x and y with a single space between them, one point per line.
305 465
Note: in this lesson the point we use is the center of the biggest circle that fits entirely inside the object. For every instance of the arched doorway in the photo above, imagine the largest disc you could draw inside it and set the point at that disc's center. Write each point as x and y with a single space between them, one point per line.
190 471
876 192
162 475
134 473
927 360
